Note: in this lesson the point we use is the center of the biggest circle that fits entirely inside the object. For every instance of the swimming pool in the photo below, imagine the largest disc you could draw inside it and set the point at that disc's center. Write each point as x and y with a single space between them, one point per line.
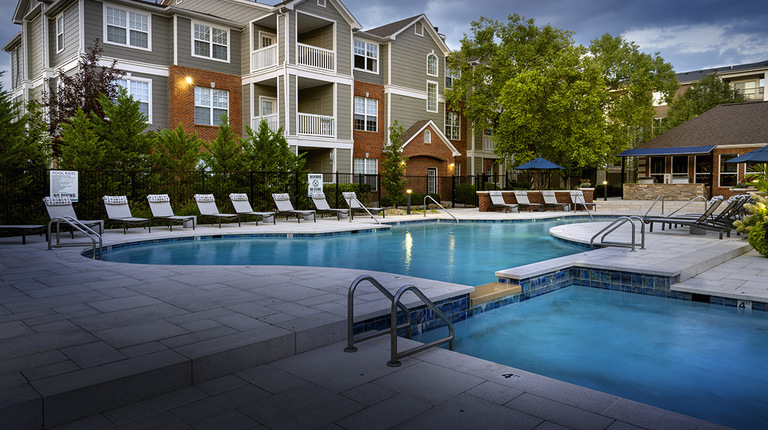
468 253
693 358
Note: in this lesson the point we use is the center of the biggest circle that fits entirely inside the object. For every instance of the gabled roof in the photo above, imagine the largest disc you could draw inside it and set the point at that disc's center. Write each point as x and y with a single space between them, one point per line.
420 126
696 75
392 30
723 125
290 4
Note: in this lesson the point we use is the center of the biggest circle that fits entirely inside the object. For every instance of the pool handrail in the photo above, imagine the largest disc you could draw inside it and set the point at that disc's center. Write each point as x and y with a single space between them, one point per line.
580 199
351 313
610 228
437 203
706 202
395 356
74 223
660 196
362 206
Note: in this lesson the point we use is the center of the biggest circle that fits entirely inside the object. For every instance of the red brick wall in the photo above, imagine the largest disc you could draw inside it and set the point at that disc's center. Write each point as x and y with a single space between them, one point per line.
181 99
368 141
484 200
462 145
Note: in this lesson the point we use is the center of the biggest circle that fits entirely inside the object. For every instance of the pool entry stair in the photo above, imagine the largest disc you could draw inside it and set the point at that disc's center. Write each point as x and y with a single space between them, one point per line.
492 291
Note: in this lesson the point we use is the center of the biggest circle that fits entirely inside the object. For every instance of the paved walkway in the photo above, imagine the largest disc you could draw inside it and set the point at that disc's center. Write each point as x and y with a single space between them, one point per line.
104 345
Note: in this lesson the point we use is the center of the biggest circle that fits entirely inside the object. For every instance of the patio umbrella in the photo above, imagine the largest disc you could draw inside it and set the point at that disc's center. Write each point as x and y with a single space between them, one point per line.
758 155
540 164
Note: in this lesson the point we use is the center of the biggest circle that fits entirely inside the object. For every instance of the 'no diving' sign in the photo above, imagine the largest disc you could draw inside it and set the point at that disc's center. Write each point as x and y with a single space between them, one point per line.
315 181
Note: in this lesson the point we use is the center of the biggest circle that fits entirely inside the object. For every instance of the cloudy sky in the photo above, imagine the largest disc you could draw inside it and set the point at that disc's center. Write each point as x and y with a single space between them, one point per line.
691 35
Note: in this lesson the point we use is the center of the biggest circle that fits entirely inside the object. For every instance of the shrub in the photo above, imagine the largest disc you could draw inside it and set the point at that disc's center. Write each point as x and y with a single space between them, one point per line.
754 225
466 194
515 185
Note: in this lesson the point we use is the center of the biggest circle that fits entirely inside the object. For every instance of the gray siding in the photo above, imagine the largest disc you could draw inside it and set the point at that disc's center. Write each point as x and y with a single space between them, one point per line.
407 110
344 112
71 37
281 99
185 58
343 33
369 77
281 38
35 47
292 90
409 61
317 100
344 160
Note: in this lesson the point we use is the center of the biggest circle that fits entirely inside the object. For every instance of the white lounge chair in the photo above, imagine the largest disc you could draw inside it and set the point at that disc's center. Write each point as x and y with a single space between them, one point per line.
522 200
497 201
284 205
577 198
206 204
321 204
354 205
160 206
243 208
119 211
550 200
61 207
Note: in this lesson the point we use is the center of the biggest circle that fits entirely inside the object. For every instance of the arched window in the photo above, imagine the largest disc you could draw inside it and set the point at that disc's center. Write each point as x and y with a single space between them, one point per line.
432 64
427 136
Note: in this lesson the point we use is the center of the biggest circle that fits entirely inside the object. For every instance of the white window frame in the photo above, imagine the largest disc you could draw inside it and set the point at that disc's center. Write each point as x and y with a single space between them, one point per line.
427 136
365 114
452 128
437 64
210 42
432 180
128 12
265 34
457 169
437 88
450 76
321 3
368 165
59 24
418 26
365 56
211 119
722 163
129 79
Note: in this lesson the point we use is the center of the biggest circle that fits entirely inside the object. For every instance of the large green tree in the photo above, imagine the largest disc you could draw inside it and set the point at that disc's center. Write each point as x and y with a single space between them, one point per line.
393 166
23 142
225 153
268 151
700 97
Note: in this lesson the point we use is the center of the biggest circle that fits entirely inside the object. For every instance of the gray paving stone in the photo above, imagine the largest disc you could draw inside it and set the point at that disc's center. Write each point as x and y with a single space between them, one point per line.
123 303
21 407
270 378
111 320
96 422
42 342
198 336
221 385
494 392
213 406
369 394
232 420
14 329
386 414
165 421
136 334
143 349
558 413
429 383
53 326
92 354
650 417
49 370
240 322
156 405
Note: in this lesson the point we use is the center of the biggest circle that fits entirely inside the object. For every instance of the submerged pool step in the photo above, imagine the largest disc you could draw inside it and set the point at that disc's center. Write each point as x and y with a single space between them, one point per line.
492 291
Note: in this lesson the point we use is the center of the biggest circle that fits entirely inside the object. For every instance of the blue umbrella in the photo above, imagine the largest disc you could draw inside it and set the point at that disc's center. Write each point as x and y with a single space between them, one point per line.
540 164
758 155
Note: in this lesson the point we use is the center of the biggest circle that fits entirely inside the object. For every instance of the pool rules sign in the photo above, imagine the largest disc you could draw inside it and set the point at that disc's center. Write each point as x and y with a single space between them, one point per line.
315 181
64 183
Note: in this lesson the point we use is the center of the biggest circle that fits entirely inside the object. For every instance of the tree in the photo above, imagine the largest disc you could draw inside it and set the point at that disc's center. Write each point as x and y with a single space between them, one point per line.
176 150
22 135
393 166
225 153
81 90
700 97
268 151
80 145
122 129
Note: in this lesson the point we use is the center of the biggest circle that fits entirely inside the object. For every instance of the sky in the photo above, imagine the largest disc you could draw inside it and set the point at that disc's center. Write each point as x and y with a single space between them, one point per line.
691 35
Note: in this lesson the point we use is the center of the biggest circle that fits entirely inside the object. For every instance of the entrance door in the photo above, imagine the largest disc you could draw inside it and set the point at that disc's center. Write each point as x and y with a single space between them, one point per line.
432 180
266 39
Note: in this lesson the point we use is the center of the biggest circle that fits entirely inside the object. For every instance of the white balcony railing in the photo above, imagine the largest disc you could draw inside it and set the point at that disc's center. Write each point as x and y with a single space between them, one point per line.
313 56
488 143
315 125
264 57
272 120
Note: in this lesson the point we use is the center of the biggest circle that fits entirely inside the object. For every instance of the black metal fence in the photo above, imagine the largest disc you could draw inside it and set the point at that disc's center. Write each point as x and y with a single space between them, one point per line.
22 191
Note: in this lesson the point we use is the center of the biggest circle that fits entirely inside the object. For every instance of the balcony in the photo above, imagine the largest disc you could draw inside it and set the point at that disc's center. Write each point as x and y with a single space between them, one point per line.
313 56
315 125
264 57
272 121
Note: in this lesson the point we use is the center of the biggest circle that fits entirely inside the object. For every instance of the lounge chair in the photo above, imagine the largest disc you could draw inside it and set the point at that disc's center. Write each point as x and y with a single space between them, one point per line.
284 206
703 222
119 211
243 208
354 205
206 204
522 200
497 201
550 200
321 204
577 198
160 206
61 207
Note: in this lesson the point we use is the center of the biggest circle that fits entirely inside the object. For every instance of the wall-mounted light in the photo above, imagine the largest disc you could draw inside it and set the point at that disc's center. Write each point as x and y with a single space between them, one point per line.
189 80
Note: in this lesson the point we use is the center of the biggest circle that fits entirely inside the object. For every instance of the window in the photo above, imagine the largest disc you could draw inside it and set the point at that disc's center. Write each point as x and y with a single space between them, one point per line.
418 28
366 114
211 42
457 169
748 89
432 180
210 105
452 125
427 136
728 171
658 99
16 67
366 172
139 91
658 168
703 169
680 164
60 33
450 75
321 3
432 64
127 28
488 143
366 56
431 96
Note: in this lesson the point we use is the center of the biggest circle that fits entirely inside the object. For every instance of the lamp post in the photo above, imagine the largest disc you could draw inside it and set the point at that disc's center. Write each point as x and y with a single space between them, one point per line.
605 190
408 210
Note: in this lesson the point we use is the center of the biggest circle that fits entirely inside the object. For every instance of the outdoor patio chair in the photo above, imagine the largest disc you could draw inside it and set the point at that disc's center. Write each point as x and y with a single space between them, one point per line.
497 201
206 204
60 207
355 205
160 206
577 198
284 206
321 204
119 211
522 199
243 208
550 200
703 222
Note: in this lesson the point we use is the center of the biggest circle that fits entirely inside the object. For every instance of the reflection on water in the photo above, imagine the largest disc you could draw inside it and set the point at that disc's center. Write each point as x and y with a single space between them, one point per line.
408 247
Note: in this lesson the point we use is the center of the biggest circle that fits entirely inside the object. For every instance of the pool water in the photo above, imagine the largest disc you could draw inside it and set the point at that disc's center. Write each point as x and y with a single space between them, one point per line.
466 253
697 359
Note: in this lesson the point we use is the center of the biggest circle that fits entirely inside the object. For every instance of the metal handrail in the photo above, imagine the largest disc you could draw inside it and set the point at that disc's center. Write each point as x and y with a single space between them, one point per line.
394 359
610 228
349 203
351 313
583 203
706 203
437 203
76 224
660 196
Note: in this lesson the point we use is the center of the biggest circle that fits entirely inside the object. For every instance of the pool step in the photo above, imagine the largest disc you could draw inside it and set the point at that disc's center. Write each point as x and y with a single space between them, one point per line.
492 291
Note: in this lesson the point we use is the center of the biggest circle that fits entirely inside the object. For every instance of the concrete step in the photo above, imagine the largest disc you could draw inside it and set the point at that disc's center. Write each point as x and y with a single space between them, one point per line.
492 291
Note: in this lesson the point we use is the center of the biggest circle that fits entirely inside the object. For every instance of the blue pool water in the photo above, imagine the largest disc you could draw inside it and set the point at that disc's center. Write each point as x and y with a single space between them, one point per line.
466 253
700 360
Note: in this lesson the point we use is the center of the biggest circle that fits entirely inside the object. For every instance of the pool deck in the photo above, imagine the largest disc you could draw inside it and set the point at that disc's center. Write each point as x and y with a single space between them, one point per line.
89 344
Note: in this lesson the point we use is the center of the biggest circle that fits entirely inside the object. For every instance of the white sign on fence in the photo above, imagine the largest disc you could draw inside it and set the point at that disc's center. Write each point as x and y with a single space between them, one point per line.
315 181
64 183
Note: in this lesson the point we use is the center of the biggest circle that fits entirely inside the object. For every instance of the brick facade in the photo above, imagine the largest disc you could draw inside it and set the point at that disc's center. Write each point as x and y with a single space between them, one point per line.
369 144
484 200
181 99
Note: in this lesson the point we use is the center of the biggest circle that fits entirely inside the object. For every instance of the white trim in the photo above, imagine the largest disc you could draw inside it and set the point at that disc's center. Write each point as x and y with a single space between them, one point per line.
335 109
59 31
175 40
128 11
131 66
321 3
210 42
128 78
211 107
435 130
365 114
720 173
409 92
742 145
81 24
437 64
259 35
437 102
277 106
378 56
416 26
46 57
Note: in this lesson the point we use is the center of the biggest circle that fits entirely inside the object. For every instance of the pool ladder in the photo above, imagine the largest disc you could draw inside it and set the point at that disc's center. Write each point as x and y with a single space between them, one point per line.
394 327
441 207
78 225
610 228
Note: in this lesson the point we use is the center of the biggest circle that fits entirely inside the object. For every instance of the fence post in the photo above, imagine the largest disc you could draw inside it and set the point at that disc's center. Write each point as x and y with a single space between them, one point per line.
453 192
250 174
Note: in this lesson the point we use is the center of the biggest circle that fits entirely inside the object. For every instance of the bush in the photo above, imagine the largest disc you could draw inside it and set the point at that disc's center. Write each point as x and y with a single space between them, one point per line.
417 199
515 185
466 194
613 191
755 223
336 200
